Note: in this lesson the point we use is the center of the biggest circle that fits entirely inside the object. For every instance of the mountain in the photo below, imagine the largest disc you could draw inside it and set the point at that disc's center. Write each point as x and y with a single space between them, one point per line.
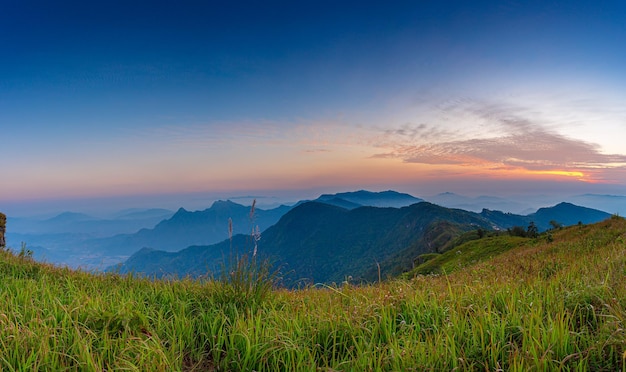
64 239
327 244
338 202
69 217
81 240
139 213
63 222
318 242
563 213
79 223
91 243
354 199
452 200
567 214
187 228
615 204
504 303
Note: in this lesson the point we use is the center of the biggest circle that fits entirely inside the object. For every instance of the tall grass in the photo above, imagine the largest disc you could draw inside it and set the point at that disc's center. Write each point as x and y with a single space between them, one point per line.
245 283
557 305
246 280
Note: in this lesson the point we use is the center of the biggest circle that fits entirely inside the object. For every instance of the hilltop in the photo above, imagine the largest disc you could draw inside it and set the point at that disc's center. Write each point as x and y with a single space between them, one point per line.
555 303
364 198
318 242
95 243
81 240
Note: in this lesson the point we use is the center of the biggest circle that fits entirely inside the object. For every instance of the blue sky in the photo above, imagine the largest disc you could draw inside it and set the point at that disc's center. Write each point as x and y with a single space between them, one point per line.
111 99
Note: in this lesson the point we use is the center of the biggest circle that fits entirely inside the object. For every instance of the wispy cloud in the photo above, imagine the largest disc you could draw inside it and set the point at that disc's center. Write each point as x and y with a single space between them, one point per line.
419 132
316 151
514 140
201 134
312 136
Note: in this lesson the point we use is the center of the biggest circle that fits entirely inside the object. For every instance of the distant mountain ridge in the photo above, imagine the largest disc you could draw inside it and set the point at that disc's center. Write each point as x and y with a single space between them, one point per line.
210 226
75 239
363 198
80 223
85 241
609 203
563 213
187 228
567 214
128 221
319 242
476 204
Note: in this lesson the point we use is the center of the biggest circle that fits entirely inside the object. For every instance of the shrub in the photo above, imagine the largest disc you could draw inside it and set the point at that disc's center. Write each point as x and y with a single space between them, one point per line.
517 231
3 227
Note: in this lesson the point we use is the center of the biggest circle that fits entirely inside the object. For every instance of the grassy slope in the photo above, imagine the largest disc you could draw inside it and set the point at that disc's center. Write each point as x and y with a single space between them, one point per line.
539 306
468 254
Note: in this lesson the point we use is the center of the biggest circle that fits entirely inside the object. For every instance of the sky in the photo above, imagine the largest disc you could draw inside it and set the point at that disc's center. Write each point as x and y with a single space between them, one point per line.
133 102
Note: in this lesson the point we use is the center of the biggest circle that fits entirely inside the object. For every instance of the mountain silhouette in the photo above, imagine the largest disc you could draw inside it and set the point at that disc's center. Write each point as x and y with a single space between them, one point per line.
361 198
319 242
187 228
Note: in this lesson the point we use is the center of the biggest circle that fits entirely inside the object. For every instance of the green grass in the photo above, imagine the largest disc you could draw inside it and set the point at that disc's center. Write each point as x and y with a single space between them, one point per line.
539 306
466 254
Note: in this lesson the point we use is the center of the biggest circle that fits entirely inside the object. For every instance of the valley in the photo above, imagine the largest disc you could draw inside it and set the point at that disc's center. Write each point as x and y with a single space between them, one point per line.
361 235
493 303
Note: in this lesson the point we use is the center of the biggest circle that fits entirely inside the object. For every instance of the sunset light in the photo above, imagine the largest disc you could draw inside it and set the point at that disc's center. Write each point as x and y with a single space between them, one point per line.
574 174
327 185
423 97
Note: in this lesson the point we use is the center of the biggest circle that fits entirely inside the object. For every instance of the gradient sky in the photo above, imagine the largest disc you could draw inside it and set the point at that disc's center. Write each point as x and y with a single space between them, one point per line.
122 98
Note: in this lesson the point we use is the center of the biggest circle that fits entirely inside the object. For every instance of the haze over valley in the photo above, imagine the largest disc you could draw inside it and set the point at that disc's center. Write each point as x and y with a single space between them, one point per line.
137 136
82 241
430 185
110 106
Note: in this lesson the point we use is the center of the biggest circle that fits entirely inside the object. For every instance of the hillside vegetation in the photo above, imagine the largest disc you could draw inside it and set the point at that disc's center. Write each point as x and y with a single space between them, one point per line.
543 304
320 243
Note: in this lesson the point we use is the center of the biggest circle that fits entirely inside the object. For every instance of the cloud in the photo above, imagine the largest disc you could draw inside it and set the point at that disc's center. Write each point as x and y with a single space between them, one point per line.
315 151
512 140
209 134
535 150
312 135
421 132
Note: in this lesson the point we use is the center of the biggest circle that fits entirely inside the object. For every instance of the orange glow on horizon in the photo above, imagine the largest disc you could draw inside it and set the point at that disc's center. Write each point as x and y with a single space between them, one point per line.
557 174
575 174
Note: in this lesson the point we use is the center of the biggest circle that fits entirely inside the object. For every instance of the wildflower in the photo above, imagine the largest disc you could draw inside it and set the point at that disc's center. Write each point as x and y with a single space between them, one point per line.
252 208
256 236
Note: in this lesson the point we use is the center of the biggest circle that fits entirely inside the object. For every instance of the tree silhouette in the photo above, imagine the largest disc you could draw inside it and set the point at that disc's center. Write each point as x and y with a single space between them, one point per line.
555 225
3 228
532 231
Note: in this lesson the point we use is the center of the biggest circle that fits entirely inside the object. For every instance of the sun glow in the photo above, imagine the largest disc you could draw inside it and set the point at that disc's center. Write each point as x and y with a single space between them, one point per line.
574 174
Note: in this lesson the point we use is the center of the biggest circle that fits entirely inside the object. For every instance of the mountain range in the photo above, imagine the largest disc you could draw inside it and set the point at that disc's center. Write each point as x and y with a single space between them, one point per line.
187 228
319 242
79 223
614 204
210 226
476 204
81 240
62 239
363 198
76 239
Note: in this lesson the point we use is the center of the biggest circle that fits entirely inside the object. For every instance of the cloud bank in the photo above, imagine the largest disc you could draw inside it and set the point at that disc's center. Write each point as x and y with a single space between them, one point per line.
512 140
